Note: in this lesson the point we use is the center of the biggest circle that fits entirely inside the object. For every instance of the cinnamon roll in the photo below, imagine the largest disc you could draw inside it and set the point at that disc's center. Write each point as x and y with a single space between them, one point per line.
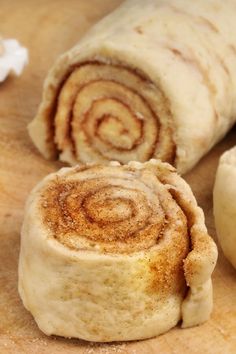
153 81
224 197
112 253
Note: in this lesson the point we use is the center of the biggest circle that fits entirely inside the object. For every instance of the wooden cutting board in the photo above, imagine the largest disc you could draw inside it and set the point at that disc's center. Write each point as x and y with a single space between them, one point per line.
48 28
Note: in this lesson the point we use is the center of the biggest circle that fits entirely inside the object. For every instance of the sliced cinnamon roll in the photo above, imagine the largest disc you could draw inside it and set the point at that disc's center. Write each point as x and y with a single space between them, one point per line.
112 253
153 81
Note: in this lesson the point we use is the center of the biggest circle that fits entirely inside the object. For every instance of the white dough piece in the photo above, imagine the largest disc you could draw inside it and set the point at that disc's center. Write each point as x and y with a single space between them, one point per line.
225 204
112 253
13 58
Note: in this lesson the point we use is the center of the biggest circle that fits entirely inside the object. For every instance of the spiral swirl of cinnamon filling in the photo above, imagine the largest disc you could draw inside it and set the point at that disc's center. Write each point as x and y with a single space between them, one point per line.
113 209
110 112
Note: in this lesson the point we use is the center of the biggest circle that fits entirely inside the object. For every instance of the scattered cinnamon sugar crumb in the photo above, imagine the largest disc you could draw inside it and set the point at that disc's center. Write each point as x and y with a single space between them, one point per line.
138 29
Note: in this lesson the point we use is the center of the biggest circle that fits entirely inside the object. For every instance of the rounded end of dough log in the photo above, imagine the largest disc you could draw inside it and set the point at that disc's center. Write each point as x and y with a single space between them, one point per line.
224 197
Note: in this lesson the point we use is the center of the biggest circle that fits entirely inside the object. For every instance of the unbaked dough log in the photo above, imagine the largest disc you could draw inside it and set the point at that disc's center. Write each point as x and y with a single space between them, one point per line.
225 204
112 253
147 81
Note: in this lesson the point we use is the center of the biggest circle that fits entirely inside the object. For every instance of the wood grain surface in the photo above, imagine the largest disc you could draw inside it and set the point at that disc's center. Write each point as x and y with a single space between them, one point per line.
48 28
